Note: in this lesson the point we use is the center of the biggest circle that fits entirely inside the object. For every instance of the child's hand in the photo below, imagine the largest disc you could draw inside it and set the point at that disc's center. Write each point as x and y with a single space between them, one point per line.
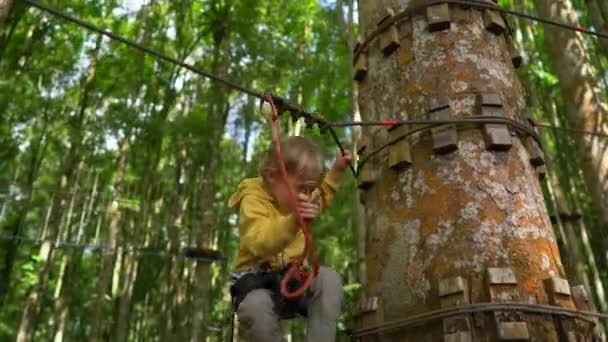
342 160
309 207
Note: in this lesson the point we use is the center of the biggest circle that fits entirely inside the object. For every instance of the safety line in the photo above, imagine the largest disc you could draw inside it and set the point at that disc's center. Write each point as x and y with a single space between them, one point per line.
189 252
479 307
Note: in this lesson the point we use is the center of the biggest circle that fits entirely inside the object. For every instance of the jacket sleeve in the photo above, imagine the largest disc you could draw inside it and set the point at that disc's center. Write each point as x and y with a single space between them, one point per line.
261 234
329 187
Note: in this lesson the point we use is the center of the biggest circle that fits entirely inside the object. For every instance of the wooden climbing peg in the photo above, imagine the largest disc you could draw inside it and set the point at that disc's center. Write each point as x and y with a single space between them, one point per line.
438 17
493 22
389 38
502 287
496 136
537 156
367 174
445 137
360 65
455 292
400 155
516 57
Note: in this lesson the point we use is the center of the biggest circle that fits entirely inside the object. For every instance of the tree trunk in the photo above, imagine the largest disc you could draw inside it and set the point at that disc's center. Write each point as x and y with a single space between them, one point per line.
582 99
69 171
216 121
114 214
15 226
201 281
69 267
575 263
8 24
124 311
170 304
5 9
111 242
461 221
348 33
34 301
599 22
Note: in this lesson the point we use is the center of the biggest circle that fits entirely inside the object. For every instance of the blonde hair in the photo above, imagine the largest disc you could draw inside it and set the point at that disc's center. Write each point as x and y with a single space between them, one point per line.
302 157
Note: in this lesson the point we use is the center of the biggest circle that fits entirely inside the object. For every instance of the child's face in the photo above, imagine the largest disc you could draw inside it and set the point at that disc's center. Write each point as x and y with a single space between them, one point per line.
300 184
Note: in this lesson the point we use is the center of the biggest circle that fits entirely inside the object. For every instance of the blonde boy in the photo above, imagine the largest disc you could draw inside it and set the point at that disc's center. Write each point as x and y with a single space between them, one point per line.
270 239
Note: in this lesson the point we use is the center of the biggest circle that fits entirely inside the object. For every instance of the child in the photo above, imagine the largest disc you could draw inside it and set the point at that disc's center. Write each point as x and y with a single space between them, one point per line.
270 239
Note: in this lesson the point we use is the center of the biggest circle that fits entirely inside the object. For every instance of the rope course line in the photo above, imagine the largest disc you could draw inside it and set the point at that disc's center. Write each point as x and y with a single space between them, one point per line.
281 103
429 124
572 130
479 307
185 252
297 112
480 4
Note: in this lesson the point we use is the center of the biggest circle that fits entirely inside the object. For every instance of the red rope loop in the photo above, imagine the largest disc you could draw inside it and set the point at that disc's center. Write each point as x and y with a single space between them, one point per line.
296 270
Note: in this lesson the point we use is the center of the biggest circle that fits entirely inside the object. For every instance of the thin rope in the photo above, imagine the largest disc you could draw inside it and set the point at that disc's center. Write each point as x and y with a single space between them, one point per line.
571 130
105 249
429 124
480 307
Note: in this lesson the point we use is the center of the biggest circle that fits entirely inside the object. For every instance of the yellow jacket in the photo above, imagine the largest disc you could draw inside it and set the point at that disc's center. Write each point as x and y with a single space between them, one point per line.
266 233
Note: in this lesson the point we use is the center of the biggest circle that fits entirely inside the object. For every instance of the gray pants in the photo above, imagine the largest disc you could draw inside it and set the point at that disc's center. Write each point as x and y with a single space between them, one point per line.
261 323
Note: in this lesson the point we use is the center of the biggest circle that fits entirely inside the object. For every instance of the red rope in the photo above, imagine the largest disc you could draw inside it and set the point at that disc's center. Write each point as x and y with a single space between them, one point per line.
295 270
389 123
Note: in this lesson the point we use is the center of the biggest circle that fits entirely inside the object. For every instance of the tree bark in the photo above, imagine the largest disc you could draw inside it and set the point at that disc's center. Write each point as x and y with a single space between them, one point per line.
124 311
582 99
349 38
114 215
5 9
599 22
34 301
170 303
15 226
575 263
69 267
442 230
69 170
216 121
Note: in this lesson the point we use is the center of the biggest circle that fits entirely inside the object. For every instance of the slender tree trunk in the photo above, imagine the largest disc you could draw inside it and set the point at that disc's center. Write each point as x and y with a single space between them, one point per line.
5 9
575 265
114 215
347 25
98 325
462 220
34 302
571 173
216 121
7 200
124 316
37 153
64 185
69 267
582 99
599 22
172 266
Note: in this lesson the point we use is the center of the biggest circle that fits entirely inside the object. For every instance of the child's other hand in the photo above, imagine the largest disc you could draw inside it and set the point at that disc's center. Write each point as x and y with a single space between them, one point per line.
309 207
342 160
